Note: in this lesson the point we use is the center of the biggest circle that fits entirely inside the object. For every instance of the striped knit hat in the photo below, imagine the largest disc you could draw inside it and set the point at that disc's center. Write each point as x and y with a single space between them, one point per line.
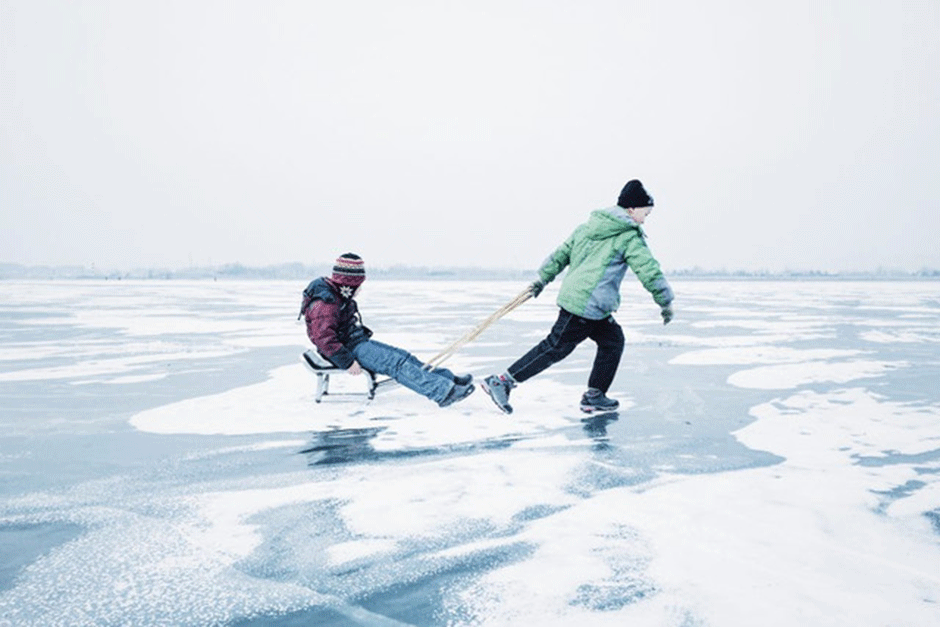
349 270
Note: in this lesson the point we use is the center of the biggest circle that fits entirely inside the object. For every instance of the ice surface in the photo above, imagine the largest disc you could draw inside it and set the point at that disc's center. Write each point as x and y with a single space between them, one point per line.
776 460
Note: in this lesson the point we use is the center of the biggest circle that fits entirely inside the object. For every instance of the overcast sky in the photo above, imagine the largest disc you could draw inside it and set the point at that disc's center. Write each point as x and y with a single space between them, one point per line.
789 135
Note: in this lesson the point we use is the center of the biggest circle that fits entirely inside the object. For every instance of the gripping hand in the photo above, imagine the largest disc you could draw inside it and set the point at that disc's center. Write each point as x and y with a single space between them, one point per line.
666 313
536 288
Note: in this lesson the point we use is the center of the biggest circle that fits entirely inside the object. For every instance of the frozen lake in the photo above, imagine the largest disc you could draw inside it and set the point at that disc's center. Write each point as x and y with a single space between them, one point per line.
775 461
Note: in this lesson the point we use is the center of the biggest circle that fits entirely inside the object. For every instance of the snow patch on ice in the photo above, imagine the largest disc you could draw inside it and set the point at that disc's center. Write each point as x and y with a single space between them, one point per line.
785 376
909 336
285 403
105 366
758 355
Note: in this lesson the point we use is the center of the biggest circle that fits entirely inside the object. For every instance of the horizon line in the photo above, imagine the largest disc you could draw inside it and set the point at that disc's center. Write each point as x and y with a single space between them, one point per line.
293 270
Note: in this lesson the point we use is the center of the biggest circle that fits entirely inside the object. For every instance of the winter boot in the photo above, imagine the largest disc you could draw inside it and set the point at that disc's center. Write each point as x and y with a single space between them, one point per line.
595 400
458 393
498 388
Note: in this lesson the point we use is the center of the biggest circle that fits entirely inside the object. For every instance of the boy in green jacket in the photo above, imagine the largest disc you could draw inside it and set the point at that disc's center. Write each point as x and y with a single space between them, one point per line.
597 255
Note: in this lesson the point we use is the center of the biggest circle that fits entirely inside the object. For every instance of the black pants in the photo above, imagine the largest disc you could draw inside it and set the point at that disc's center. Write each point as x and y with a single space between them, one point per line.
569 331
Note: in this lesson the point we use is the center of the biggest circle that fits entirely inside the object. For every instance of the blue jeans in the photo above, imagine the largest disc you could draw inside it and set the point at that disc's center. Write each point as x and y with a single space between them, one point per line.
405 368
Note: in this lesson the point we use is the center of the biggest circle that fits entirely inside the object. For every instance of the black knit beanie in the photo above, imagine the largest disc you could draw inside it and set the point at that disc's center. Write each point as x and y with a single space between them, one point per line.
633 195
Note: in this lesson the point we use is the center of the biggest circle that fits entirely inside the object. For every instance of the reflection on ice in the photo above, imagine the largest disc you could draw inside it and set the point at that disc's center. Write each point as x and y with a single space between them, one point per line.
340 446
596 428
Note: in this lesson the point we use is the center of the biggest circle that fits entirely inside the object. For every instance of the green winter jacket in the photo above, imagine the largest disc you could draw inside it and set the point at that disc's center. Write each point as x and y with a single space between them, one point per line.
599 253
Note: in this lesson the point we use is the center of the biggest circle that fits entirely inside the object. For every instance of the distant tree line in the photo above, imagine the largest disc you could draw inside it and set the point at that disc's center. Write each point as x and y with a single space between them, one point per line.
299 271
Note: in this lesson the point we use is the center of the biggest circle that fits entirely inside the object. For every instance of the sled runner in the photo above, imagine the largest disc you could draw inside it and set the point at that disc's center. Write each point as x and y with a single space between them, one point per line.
322 368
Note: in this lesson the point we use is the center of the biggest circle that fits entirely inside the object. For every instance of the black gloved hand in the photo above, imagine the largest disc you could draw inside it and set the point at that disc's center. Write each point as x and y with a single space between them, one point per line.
666 313
536 288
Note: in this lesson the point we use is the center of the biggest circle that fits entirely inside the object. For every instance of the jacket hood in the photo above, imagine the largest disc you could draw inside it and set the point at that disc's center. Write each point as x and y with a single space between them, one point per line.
317 289
321 289
610 222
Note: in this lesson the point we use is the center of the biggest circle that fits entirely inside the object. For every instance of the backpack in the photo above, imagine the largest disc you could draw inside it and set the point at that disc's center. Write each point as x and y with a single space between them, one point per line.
306 299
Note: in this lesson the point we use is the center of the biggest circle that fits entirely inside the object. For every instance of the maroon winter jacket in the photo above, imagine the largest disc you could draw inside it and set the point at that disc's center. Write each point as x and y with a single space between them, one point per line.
333 321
